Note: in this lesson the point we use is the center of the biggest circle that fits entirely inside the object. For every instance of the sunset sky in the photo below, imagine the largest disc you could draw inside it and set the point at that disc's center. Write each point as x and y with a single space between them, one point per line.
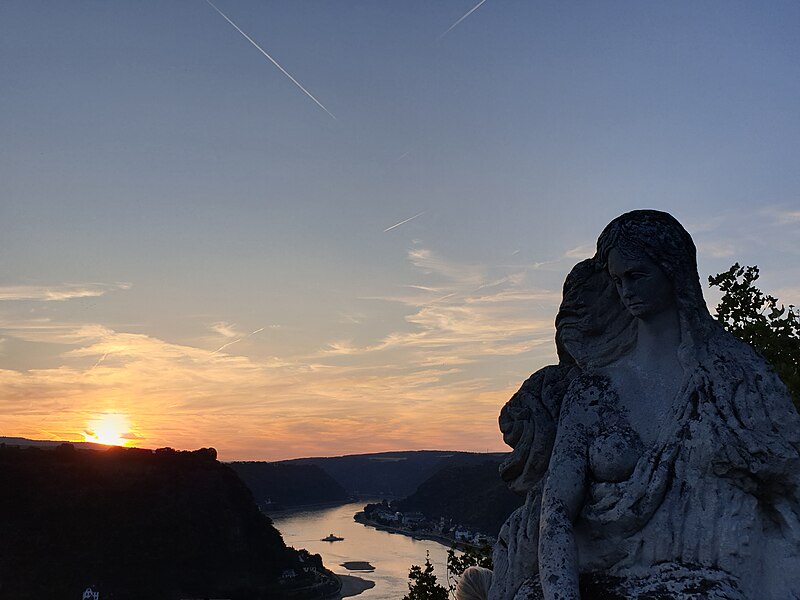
197 250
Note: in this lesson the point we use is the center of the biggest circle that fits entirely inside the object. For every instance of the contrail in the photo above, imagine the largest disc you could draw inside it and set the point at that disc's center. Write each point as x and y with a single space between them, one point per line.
272 60
221 348
472 10
404 222
102 358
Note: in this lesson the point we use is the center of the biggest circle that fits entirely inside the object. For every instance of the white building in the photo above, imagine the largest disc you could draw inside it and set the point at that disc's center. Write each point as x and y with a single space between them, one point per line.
90 594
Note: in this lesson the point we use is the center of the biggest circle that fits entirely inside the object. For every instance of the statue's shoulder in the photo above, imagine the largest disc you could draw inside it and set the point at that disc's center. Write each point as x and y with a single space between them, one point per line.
549 376
729 359
546 386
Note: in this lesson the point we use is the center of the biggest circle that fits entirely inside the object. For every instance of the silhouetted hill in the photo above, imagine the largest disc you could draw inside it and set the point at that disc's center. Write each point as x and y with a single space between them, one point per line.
289 485
24 442
469 494
135 524
388 474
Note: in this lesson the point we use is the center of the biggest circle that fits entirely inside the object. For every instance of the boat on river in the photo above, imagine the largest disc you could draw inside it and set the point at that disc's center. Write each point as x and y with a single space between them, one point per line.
332 538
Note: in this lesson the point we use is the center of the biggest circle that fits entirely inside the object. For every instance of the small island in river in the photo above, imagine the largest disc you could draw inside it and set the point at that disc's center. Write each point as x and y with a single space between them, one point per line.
357 565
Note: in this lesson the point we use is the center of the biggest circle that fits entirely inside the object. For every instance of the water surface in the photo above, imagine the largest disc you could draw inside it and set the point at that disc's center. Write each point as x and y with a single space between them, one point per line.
391 554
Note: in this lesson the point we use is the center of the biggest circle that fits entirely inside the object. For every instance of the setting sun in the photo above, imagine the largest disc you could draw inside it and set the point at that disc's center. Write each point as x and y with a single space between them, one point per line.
112 429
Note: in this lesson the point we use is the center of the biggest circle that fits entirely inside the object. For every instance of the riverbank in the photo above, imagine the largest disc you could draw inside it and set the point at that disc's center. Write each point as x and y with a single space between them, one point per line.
353 586
360 517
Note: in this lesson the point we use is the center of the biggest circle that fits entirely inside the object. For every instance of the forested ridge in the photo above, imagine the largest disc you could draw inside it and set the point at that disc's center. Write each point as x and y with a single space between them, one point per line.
469 494
288 485
134 524
388 474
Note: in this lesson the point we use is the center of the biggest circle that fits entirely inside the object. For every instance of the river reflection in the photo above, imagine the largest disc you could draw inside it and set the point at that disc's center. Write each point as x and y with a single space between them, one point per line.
391 554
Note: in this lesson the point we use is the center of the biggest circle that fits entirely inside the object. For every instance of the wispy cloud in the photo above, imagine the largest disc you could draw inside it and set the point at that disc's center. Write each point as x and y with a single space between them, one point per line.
580 252
465 315
717 249
225 329
59 292
45 330
463 275
783 216
789 217
754 235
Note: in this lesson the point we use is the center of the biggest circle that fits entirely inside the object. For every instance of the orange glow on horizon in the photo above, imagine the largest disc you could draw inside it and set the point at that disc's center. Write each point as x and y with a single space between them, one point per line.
110 429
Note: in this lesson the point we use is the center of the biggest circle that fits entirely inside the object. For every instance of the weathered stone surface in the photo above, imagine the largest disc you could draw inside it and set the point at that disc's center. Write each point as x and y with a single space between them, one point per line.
664 582
661 457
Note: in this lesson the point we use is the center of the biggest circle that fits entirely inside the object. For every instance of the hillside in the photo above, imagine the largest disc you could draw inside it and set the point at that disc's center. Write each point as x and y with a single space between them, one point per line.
134 524
289 485
25 442
468 494
388 474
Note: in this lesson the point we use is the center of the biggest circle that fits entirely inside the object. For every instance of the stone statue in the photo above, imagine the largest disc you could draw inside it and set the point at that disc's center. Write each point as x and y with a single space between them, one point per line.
660 458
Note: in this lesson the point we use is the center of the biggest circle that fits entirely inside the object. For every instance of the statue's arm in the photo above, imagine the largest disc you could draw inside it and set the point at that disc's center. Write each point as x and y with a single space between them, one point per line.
562 498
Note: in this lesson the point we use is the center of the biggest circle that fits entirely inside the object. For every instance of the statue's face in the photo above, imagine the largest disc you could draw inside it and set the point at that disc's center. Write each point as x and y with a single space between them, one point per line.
643 287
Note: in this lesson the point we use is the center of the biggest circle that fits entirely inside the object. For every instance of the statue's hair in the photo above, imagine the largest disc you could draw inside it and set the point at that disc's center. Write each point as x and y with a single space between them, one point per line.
592 326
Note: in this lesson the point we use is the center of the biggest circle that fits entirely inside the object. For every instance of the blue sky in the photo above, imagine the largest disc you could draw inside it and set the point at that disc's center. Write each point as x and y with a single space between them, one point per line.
165 191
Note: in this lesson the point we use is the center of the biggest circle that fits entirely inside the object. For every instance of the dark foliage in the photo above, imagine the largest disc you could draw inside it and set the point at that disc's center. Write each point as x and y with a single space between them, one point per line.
473 495
134 524
422 583
288 484
480 556
757 318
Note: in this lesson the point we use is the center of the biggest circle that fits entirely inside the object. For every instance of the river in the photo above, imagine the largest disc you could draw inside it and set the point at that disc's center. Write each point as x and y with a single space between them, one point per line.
391 554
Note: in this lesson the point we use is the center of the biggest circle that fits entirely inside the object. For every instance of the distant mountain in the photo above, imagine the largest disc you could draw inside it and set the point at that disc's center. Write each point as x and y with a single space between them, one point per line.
138 524
389 474
468 494
289 485
25 442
